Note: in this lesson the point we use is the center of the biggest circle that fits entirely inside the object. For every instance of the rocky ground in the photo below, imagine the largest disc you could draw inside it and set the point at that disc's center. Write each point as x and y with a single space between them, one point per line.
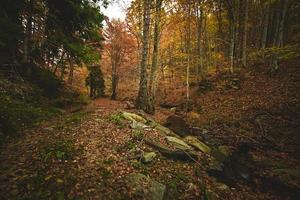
99 154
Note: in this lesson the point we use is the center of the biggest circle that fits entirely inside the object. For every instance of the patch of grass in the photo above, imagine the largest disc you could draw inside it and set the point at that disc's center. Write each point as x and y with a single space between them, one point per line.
83 99
118 119
60 150
137 135
75 117
130 144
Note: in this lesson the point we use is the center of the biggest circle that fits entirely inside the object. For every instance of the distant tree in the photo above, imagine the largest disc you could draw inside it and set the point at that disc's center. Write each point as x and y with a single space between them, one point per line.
95 81
118 44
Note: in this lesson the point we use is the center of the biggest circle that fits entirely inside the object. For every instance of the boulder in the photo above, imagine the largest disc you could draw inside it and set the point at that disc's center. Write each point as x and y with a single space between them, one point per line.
144 187
172 154
164 130
138 125
148 157
178 125
134 117
178 143
197 144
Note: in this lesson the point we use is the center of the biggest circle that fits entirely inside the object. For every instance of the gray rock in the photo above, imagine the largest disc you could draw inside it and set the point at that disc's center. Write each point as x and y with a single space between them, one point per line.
178 125
134 117
178 143
138 125
144 187
197 144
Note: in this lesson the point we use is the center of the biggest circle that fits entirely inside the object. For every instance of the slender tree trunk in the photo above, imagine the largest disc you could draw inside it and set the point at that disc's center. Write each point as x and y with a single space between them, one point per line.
265 27
71 72
219 47
279 27
199 38
27 39
115 79
143 100
188 57
244 48
60 62
284 4
232 45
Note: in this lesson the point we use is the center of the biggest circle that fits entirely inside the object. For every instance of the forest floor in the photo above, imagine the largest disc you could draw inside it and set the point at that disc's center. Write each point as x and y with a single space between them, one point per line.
87 154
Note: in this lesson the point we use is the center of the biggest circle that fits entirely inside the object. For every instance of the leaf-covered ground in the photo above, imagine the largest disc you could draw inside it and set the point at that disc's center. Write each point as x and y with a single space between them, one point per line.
85 155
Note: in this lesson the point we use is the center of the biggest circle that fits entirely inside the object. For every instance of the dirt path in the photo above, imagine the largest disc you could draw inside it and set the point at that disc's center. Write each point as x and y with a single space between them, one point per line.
85 155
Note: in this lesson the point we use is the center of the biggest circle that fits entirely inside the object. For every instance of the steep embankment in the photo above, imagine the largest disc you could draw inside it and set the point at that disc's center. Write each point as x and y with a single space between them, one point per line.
27 98
253 104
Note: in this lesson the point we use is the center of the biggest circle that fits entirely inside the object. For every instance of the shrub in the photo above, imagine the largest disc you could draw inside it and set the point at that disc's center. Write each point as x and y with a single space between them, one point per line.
60 150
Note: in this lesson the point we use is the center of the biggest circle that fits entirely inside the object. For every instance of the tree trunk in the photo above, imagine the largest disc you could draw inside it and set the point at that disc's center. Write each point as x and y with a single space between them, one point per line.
232 45
27 39
153 75
284 4
188 57
114 80
71 72
279 28
244 48
143 100
199 38
265 28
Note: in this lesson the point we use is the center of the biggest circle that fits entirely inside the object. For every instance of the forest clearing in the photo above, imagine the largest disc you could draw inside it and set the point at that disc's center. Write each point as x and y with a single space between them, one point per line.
155 100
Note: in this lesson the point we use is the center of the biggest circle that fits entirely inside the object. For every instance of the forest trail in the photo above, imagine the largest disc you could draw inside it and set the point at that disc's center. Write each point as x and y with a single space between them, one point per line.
87 154
64 157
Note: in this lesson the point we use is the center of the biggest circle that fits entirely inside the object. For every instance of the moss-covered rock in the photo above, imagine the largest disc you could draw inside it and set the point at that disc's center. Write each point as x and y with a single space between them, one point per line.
144 187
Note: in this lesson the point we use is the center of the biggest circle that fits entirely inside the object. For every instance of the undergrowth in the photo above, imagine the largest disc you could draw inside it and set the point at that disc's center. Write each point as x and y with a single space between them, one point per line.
29 99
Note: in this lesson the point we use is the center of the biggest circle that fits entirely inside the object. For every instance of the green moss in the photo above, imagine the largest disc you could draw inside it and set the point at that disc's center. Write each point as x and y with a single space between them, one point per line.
118 120
16 114
75 117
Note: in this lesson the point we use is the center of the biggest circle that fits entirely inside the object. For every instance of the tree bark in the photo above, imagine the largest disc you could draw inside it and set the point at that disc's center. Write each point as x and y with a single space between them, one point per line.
244 47
188 57
231 9
199 38
27 39
114 80
153 75
71 72
265 28
143 100
279 28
